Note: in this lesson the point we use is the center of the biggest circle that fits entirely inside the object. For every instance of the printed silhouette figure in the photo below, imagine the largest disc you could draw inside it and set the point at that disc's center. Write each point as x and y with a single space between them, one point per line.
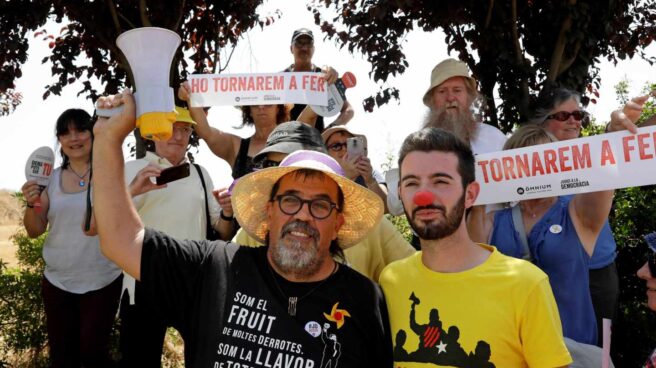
400 355
332 349
481 356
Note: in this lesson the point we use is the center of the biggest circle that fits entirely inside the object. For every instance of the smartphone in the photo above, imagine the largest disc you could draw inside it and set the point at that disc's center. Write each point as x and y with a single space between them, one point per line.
172 174
356 146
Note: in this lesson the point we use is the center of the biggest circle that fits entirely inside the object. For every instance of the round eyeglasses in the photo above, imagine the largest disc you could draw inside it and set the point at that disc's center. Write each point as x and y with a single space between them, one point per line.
291 204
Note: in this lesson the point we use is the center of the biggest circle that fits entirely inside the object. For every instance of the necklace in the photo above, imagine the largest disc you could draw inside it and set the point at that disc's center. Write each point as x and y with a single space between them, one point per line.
536 209
82 182
292 301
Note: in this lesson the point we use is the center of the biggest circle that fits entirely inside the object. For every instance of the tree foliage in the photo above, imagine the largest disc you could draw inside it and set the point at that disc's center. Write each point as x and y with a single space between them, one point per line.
513 46
85 49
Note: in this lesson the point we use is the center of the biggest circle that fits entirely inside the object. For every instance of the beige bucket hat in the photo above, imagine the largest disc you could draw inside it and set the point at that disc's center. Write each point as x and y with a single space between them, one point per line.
446 69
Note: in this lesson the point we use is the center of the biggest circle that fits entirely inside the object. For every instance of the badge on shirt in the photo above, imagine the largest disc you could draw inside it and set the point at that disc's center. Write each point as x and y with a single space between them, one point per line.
313 328
555 229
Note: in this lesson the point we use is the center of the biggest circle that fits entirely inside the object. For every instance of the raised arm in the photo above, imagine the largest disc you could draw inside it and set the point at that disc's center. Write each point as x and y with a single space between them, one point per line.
119 228
222 144
345 115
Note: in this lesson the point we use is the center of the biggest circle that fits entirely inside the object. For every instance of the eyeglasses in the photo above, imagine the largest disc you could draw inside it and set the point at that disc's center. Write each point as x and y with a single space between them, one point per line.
337 146
564 115
291 204
267 163
182 130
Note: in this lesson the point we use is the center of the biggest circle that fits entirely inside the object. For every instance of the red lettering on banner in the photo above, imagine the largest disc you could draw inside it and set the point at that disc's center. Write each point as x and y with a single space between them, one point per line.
242 83
233 84
260 83
195 85
305 81
508 168
606 153
322 84
483 165
251 84
495 168
581 158
643 146
225 84
292 83
562 158
521 162
627 148
537 164
550 161
278 82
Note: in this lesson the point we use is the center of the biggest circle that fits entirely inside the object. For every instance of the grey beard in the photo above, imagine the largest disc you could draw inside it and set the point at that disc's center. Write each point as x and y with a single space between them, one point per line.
459 122
291 257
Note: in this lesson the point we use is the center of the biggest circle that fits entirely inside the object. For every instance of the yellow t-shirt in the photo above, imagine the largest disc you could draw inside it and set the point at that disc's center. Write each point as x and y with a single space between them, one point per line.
501 313
382 246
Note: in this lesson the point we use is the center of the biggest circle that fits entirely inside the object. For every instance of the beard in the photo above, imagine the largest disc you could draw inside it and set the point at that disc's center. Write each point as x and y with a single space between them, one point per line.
453 118
436 229
294 257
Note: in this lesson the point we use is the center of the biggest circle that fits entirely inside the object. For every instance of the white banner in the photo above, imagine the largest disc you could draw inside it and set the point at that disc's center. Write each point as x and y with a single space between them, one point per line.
591 164
258 89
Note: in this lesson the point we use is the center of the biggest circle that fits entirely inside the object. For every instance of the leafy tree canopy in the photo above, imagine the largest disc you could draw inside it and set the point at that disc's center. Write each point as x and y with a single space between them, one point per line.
515 46
85 46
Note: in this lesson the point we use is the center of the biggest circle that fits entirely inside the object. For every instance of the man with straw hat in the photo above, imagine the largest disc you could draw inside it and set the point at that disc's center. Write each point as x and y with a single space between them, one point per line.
285 304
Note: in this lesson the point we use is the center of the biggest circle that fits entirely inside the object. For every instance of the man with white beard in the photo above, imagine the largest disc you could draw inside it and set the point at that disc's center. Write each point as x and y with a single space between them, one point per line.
451 97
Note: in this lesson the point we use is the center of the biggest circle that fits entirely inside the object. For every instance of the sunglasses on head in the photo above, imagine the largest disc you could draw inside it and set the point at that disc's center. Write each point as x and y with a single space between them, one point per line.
564 115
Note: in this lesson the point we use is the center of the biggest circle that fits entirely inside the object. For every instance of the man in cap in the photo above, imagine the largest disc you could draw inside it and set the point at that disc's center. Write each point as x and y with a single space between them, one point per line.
256 307
503 307
302 47
382 245
451 97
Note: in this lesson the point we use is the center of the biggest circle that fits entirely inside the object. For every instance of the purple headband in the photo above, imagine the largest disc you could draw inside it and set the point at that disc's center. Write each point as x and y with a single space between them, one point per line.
305 155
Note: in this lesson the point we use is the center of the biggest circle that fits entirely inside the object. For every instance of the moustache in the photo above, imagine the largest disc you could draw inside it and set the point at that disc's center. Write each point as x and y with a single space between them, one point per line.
429 207
300 226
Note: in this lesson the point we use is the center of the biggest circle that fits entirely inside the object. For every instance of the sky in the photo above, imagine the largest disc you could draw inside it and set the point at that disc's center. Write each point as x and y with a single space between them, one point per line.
267 50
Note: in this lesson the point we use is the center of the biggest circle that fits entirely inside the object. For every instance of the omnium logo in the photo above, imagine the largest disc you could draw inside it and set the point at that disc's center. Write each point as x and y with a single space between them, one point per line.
534 189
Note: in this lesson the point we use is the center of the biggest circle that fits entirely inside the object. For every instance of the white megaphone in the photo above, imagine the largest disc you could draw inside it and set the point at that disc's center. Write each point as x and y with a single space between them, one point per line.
150 51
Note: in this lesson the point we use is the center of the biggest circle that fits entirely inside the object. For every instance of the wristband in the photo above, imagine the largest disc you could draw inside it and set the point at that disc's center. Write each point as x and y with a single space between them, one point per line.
224 217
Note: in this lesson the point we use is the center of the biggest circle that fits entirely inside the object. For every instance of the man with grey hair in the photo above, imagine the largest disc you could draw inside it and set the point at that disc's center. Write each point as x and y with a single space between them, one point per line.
451 98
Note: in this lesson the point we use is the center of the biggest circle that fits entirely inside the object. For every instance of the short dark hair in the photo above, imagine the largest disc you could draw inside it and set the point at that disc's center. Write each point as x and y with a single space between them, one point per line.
79 119
436 139
335 250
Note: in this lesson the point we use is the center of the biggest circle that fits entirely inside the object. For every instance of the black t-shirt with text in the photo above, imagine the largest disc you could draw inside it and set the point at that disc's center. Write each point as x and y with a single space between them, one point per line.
233 314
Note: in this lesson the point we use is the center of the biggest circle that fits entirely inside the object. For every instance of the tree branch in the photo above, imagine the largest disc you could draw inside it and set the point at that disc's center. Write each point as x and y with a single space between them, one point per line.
126 20
565 64
112 12
145 21
488 18
178 23
519 62
559 47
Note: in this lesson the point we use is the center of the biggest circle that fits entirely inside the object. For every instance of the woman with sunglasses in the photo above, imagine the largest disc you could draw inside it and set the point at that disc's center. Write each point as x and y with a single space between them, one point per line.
560 113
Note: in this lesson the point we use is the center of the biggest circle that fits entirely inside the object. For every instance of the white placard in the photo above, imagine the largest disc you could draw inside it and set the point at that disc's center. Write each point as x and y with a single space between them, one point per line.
258 89
39 165
591 164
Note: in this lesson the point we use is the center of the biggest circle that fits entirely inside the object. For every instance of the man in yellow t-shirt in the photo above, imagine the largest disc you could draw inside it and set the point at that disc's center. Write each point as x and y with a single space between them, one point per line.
458 303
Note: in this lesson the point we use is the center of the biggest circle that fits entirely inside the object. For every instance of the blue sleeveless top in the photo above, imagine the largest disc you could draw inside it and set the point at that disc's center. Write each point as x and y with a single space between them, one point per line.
557 250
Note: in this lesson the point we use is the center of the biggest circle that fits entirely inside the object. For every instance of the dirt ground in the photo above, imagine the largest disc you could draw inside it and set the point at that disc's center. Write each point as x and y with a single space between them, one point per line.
10 217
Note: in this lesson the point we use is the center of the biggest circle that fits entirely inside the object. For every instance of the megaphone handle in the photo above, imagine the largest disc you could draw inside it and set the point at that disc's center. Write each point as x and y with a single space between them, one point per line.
106 113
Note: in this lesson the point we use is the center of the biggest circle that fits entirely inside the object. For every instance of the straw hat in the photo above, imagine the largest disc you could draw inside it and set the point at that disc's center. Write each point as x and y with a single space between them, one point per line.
362 210
446 69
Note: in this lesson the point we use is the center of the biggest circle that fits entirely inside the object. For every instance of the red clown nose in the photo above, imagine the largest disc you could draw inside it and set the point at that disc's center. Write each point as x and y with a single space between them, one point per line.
423 198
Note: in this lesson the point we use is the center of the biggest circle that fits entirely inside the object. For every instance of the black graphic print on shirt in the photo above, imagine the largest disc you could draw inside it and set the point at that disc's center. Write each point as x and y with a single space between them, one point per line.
438 346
